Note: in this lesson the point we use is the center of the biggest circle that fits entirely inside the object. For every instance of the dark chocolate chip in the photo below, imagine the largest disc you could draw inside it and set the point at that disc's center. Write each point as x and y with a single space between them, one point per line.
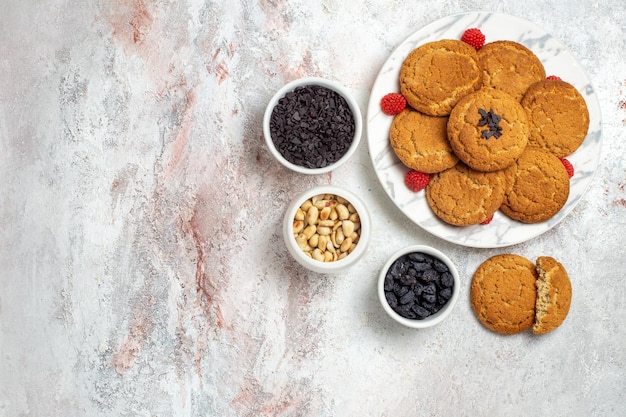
492 120
312 126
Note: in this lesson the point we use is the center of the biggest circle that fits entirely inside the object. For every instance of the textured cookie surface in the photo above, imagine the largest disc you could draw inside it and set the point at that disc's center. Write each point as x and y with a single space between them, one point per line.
503 293
421 142
540 187
558 116
554 295
475 143
462 196
434 76
509 66
509 178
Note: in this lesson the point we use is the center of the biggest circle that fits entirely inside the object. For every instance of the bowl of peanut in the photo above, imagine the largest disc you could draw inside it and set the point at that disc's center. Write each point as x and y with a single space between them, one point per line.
326 229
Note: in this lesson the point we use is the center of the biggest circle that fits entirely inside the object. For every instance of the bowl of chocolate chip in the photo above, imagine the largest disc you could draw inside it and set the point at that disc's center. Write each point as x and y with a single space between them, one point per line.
326 229
312 125
419 286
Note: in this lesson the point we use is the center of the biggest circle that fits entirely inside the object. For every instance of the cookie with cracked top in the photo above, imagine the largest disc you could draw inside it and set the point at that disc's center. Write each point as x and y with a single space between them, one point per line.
436 75
554 295
462 196
540 187
503 293
510 67
558 116
488 130
421 142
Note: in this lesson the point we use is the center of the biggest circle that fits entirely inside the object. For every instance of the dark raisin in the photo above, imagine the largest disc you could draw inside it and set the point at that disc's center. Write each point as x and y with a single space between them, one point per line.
444 295
429 298
421 266
430 289
435 309
410 314
417 256
418 289
430 275
405 311
428 306
388 282
447 280
407 298
391 299
439 266
408 280
420 311
400 289
398 268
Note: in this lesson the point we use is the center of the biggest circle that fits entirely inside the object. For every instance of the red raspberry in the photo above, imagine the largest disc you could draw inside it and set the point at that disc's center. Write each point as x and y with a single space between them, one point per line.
489 219
393 103
568 167
416 181
474 37
553 77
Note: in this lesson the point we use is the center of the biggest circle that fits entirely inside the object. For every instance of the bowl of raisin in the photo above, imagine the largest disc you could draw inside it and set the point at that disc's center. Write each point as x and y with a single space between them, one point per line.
312 125
418 286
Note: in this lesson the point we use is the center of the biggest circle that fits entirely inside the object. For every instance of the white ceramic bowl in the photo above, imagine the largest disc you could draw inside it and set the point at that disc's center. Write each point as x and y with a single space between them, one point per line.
445 310
320 266
356 112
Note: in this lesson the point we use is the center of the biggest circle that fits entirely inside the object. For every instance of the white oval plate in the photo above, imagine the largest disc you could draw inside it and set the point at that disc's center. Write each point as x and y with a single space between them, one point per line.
557 60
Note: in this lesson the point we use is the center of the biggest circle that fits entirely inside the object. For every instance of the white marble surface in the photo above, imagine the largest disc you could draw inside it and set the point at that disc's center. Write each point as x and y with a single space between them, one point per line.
142 270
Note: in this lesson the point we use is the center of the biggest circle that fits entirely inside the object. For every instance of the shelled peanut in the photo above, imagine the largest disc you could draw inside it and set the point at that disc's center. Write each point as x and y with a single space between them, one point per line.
327 227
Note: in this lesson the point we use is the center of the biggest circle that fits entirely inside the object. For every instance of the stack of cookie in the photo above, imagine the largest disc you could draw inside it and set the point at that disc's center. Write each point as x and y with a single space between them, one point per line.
489 128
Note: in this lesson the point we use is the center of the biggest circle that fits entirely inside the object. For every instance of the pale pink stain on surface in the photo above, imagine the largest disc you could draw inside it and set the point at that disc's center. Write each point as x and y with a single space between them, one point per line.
205 285
219 63
140 328
142 29
277 23
622 98
207 233
306 68
138 30
131 22
207 302
253 401
208 218
276 19
178 146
